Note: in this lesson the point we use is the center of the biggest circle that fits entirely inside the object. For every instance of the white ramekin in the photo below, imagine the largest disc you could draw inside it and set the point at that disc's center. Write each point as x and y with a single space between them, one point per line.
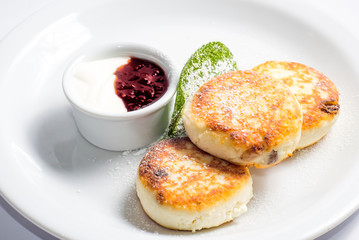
129 130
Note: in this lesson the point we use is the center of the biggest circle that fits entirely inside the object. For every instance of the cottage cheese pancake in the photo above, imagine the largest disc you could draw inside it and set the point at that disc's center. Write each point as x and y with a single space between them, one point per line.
316 94
244 117
181 187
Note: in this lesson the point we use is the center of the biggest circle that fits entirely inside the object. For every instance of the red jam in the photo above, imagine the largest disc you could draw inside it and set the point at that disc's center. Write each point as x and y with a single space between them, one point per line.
140 83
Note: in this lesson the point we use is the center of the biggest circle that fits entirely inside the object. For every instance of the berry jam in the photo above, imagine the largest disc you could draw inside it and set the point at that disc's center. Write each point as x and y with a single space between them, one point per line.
139 83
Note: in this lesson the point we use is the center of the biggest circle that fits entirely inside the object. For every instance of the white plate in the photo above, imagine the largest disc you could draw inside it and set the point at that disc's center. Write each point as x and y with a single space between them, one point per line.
74 190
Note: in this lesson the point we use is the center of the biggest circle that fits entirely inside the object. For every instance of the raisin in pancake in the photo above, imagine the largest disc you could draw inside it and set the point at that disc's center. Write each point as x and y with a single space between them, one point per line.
317 95
181 187
244 117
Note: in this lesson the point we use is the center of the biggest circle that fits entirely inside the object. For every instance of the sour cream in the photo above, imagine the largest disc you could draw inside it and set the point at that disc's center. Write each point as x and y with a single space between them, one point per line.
94 84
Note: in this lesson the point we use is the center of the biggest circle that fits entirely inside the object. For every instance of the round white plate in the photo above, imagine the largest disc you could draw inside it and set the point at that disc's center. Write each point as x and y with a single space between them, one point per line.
74 190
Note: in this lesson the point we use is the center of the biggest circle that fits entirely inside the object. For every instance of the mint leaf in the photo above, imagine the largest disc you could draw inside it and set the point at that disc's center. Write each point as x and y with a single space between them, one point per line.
211 60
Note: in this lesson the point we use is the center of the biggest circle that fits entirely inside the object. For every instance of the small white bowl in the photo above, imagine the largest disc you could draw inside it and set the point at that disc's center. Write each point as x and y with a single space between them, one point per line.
128 130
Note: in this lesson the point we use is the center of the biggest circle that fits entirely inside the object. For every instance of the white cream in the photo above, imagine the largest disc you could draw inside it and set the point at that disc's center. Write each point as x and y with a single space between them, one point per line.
94 84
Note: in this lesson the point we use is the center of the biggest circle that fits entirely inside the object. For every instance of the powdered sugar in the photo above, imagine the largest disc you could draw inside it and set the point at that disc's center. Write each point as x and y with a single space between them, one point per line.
282 191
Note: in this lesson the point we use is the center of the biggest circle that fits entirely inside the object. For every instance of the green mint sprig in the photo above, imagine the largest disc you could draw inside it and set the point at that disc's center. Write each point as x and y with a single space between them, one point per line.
211 60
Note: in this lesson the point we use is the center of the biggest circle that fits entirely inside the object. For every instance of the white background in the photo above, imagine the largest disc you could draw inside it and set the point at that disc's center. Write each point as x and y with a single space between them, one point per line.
13 12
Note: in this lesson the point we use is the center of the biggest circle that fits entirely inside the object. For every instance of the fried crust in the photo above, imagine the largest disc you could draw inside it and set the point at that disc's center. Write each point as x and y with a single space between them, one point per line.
184 177
248 109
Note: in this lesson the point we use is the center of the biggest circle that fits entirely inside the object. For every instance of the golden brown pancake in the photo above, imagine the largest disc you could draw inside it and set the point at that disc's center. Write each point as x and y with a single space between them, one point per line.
316 93
182 187
244 117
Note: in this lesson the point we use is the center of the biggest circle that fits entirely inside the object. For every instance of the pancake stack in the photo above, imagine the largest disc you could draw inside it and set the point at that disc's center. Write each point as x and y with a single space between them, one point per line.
237 120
